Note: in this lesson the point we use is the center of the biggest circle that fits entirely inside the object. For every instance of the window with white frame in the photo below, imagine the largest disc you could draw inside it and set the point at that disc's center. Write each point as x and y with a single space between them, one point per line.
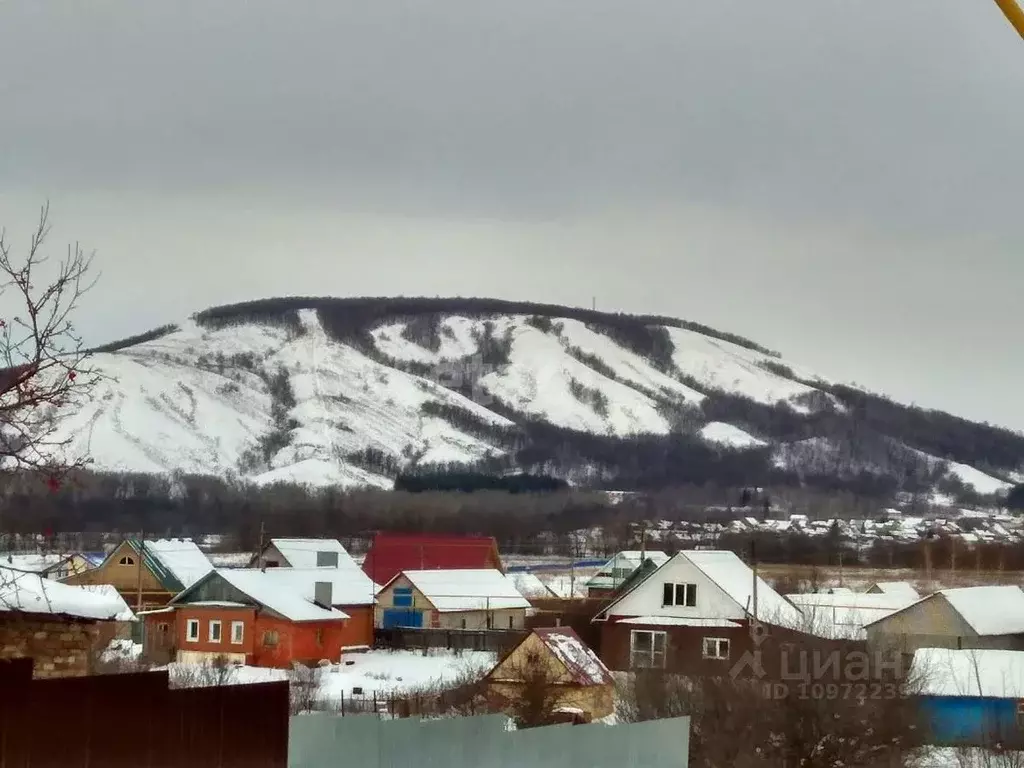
647 649
192 630
716 648
679 594
215 631
237 632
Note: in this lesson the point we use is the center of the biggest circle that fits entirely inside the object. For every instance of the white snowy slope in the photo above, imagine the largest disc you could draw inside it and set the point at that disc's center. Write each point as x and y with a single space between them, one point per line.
726 434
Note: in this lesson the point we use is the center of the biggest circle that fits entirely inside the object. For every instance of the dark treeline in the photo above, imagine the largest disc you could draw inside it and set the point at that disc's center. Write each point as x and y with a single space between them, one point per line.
469 482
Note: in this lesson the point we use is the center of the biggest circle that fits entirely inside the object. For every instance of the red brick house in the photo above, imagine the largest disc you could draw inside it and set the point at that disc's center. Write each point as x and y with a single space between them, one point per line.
692 615
269 618
392 553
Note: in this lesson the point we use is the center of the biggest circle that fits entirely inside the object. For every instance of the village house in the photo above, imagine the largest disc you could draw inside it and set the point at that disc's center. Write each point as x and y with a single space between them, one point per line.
902 588
844 614
150 573
692 615
392 553
616 571
967 617
265 618
576 679
461 599
62 628
48 565
303 553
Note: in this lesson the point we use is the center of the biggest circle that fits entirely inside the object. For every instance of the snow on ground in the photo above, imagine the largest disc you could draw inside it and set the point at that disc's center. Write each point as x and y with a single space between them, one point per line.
539 380
628 366
375 672
967 757
977 479
726 366
455 341
566 584
727 434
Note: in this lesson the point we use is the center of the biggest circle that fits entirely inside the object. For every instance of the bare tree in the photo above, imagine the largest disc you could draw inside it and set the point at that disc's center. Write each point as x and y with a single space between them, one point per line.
45 364
538 694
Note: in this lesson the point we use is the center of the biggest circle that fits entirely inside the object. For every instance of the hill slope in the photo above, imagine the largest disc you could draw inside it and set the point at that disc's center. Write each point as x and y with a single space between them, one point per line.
353 391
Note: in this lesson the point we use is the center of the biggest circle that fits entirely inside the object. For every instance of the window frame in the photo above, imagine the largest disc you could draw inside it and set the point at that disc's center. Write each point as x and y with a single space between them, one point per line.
220 630
402 597
717 644
190 636
653 654
126 561
239 625
678 594
271 638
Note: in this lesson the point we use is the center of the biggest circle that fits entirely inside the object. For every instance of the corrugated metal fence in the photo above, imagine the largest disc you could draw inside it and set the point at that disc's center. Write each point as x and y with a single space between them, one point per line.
327 741
115 721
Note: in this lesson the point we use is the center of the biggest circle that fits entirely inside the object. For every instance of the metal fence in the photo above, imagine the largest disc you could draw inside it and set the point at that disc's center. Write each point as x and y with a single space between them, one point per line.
322 741
135 720
407 638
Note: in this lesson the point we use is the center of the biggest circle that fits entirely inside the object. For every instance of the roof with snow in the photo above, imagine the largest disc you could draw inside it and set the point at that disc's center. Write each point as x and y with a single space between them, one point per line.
392 553
287 592
176 563
903 588
736 579
467 590
583 665
529 585
990 673
615 572
988 610
31 593
845 614
33 562
302 553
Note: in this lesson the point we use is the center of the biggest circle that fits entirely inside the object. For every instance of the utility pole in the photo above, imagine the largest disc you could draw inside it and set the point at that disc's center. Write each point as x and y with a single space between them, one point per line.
259 549
753 570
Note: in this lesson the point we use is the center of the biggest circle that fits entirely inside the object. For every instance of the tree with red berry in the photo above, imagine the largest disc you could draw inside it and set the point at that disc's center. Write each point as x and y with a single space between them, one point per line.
45 371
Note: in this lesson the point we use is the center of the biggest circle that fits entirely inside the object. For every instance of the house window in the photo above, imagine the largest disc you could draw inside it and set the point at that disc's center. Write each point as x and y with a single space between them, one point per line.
192 630
402 597
215 631
679 594
237 632
647 649
270 638
126 560
511 622
463 623
716 648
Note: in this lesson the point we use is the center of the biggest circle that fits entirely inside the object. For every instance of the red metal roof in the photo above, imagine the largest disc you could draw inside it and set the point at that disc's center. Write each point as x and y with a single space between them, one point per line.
392 553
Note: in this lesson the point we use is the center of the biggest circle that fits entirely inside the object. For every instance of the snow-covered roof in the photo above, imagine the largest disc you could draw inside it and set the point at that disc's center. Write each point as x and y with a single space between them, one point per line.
181 558
529 584
484 589
989 610
625 563
33 562
582 663
903 588
291 597
301 553
109 592
349 586
844 615
679 621
31 593
736 579
947 672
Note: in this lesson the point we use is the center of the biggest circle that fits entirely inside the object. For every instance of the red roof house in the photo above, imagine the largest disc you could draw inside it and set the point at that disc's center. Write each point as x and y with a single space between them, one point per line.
392 553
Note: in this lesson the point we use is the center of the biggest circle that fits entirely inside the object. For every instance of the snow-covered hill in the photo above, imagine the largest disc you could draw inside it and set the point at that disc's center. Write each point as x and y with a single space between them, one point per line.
286 396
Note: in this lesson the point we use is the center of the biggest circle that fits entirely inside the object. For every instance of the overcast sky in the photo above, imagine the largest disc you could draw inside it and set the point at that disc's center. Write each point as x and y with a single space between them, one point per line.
838 180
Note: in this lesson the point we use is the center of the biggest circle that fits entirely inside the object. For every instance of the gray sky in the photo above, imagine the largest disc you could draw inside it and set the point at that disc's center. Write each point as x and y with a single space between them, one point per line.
840 181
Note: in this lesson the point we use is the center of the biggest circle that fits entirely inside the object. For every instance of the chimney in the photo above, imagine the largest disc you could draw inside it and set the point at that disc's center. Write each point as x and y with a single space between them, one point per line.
326 559
323 593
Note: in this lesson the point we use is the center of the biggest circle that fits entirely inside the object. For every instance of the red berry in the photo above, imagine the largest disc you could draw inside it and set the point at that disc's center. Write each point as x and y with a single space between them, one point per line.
72 375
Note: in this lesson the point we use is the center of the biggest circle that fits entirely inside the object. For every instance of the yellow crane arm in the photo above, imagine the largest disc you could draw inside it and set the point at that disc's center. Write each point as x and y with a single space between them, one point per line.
1013 14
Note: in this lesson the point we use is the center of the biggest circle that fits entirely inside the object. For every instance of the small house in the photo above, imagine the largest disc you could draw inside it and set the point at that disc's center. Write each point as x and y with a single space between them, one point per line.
459 599
691 615
303 553
616 571
148 572
967 617
270 618
843 615
392 553
971 698
61 627
573 677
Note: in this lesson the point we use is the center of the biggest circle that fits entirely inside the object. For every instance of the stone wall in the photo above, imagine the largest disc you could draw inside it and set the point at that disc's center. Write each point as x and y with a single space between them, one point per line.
59 647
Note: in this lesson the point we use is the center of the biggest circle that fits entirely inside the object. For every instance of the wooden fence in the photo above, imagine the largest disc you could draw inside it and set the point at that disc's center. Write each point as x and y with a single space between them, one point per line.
406 638
117 721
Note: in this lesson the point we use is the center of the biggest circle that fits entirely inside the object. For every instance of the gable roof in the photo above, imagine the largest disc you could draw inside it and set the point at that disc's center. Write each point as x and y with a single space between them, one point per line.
176 563
987 610
529 585
287 592
735 578
902 588
845 614
467 589
627 559
26 592
392 553
583 665
301 553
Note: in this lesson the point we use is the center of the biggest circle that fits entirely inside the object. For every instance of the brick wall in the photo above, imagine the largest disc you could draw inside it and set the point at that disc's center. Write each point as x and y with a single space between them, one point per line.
59 647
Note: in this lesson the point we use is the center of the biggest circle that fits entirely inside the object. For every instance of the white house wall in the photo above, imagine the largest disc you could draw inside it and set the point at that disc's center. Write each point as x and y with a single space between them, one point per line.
645 600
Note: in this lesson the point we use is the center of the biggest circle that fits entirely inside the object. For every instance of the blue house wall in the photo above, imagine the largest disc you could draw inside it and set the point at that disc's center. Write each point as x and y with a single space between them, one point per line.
970 720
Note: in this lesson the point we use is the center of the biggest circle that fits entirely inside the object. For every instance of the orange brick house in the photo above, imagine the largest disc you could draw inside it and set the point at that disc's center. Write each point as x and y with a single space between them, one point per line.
269 618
